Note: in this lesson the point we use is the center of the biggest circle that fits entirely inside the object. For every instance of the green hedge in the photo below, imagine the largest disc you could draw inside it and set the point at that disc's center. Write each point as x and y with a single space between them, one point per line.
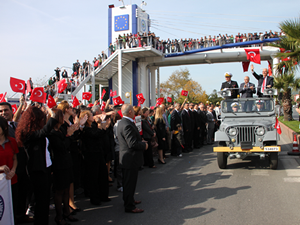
294 124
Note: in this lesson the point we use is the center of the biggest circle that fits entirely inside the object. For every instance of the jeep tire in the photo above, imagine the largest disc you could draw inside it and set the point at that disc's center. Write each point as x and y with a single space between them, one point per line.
273 159
222 159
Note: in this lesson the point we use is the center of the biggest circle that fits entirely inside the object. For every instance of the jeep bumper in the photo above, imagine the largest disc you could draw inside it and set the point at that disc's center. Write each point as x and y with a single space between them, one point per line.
266 149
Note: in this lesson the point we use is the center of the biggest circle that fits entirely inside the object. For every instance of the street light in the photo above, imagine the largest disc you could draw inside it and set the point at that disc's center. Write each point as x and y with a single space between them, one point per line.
128 95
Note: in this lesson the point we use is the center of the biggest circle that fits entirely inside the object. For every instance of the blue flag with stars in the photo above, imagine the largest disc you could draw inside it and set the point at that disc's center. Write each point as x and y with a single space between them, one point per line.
122 22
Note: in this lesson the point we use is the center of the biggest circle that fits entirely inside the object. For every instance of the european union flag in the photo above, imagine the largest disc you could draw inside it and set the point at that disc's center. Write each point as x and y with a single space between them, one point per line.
121 22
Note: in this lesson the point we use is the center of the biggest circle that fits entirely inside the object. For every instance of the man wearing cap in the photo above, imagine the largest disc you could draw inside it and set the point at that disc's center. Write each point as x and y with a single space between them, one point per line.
230 84
235 107
260 105
264 81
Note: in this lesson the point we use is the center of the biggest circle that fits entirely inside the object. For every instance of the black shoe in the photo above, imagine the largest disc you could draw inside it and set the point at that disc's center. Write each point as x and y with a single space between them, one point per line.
159 161
75 210
70 218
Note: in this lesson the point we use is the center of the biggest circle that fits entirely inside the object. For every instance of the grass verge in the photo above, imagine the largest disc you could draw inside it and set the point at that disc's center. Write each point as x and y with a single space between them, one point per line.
294 124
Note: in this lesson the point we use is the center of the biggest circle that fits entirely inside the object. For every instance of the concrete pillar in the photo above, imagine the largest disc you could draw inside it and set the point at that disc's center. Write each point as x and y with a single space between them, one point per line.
100 93
158 84
153 91
144 81
120 73
93 87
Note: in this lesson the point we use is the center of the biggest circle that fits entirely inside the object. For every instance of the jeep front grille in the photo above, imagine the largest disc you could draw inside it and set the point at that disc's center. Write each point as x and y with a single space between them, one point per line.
246 134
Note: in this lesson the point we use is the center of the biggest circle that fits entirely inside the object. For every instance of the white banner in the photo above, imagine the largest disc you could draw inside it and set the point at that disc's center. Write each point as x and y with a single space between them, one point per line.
6 207
138 123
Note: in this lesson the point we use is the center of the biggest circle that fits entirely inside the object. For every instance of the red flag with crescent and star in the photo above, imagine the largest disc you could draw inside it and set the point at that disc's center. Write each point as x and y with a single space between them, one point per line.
51 102
38 95
184 93
28 87
14 108
86 95
103 93
75 102
277 126
169 99
17 85
61 85
159 101
2 97
117 101
253 55
103 106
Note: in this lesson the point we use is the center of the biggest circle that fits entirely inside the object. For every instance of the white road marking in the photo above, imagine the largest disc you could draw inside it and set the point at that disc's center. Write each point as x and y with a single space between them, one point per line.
195 183
260 173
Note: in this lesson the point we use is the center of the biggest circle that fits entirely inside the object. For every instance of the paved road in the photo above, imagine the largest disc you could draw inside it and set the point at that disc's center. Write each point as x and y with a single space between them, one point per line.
193 190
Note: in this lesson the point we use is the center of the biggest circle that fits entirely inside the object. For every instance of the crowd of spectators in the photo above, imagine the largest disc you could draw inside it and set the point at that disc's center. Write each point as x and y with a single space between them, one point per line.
65 149
180 45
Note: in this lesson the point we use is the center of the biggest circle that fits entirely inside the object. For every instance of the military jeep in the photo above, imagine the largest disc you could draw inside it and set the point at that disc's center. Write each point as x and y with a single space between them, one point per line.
247 129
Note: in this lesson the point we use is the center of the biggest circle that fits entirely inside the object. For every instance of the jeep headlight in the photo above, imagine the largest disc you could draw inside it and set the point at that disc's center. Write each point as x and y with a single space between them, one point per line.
232 131
260 131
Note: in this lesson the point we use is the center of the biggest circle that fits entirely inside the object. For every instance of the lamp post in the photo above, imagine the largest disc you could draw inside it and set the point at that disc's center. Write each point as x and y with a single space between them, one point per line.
128 95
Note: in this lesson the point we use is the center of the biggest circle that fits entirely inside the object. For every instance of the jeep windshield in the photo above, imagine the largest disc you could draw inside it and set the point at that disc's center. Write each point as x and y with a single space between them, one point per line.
241 105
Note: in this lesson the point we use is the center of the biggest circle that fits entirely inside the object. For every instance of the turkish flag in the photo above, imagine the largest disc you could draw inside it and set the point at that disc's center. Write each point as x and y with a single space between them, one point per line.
28 87
277 126
38 95
75 102
270 68
140 98
61 85
103 106
117 101
51 102
184 93
72 97
245 66
152 107
2 97
103 93
86 95
113 93
90 105
169 99
14 108
17 85
159 101
96 63
253 55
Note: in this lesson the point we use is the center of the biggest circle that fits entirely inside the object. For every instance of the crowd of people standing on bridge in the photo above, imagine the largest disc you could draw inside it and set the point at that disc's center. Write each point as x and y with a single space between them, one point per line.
185 44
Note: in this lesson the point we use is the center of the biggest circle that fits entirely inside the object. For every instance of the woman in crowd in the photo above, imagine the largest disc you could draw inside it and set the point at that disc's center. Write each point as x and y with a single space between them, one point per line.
59 144
109 143
117 167
161 133
32 133
94 163
68 113
148 133
8 159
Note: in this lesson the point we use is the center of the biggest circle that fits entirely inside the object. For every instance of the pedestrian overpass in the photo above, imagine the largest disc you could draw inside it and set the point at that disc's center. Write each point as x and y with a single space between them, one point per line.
136 70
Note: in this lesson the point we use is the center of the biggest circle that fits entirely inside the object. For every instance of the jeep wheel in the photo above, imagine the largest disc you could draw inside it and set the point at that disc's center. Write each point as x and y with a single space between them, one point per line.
222 159
273 158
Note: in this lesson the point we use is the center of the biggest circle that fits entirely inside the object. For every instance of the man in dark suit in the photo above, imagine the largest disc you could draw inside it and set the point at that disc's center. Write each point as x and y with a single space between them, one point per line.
131 156
264 81
186 124
247 90
196 137
175 120
230 84
210 125
191 108
203 121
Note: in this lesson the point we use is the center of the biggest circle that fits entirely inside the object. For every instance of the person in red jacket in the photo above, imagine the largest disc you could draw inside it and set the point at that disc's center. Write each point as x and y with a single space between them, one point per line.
8 158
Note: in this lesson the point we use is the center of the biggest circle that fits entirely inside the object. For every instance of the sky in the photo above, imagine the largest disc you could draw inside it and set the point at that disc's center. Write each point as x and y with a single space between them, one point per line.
38 36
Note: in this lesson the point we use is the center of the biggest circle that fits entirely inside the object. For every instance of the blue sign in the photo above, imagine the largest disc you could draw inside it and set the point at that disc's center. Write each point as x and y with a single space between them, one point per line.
121 22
